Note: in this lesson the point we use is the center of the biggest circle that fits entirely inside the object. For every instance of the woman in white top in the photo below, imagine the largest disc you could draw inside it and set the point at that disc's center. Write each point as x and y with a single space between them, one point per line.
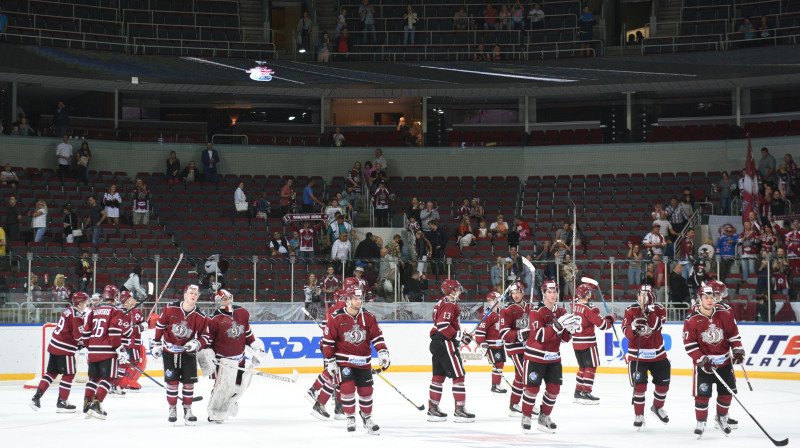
39 221
8 177
134 284
312 290
239 198
112 201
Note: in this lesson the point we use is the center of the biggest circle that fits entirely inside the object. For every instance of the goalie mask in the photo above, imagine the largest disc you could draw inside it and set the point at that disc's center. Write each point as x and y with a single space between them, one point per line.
583 292
96 299
451 286
111 293
224 296
647 295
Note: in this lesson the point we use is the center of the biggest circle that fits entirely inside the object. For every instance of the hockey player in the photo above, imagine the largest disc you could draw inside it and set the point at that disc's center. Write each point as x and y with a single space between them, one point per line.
514 320
65 342
227 332
720 294
446 336
103 330
642 326
127 376
487 336
549 327
584 343
349 335
323 388
711 338
177 332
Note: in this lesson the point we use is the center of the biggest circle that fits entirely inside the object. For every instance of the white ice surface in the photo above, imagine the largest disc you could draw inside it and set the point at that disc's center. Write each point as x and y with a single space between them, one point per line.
276 414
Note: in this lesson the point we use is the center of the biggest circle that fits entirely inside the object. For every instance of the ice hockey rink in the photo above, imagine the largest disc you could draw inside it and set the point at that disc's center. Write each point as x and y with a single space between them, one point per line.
274 413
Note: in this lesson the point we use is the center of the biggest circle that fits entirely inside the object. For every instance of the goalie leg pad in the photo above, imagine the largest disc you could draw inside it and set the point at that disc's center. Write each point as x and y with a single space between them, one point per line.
224 389
238 391
205 359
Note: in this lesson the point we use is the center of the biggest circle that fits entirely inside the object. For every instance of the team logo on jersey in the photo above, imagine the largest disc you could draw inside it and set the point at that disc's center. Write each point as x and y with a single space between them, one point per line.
534 376
703 387
355 336
522 321
235 331
181 330
713 335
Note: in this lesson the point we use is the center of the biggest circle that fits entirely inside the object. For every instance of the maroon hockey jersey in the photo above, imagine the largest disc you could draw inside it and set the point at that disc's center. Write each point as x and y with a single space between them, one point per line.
489 331
712 336
103 331
227 333
544 342
381 197
176 327
68 333
134 317
590 318
652 345
514 318
446 318
350 339
330 283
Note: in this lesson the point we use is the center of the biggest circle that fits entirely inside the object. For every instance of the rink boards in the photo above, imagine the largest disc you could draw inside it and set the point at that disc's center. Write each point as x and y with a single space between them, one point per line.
773 351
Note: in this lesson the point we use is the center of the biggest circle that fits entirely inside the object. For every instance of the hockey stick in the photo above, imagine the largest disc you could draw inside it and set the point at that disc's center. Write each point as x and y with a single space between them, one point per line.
592 281
635 368
744 372
491 362
287 379
312 318
485 315
194 399
574 234
148 376
783 442
164 289
378 372
529 265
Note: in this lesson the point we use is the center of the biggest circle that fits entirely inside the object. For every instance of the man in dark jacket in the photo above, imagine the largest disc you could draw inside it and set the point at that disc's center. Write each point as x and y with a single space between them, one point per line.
438 239
368 248
678 287
415 287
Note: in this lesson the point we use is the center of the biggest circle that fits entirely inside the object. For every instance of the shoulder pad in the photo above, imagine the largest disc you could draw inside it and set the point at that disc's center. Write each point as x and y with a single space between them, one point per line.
590 305
634 306
174 304
338 312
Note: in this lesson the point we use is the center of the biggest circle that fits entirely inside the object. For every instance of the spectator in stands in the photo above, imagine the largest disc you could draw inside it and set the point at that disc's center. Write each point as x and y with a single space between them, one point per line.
95 219
294 242
341 24
405 132
304 31
64 156
426 216
496 274
748 241
413 210
378 175
568 271
766 166
438 239
39 221
415 286
308 197
339 227
780 272
765 310
413 227
337 138
210 160
83 271
3 21
368 169
410 19
386 276
463 210
82 160
660 276
777 204
545 254
676 214
517 17
173 168
497 56
481 55
586 25
343 44
333 211
791 169
191 174
346 205
312 291
134 283
279 245
658 207
324 48
505 19
752 218
61 119
499 228
747 30
490 18
13 218
476 209
726 249
724 188
521 227
141 204
483 231
368 249
395 247
634 264
354 179
654 242
381 199
71 224
465 235
686 253
112 202
460 21
307 239
340 253
329 284
60 292
240 203
536 16
423 250
379 158
367 14
263 206
25 130
287 197
678 287
761 271
564 234
8 177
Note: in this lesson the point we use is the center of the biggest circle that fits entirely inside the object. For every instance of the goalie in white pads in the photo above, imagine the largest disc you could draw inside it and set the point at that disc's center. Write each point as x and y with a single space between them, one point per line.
226 335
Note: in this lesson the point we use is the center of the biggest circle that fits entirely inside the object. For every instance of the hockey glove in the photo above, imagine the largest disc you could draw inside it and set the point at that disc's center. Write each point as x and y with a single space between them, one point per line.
609 320
463 337
738 356
156 349
122 355
522 335
383 359
192 346
483 349
332 367
639 326
567 320
142 327
705 364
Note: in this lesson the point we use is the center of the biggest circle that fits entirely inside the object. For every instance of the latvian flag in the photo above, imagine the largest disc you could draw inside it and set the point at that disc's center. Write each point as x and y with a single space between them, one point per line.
750 194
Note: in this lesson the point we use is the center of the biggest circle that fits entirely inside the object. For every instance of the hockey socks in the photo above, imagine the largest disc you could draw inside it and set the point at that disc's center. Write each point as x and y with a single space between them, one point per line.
497 373
46 381
701 408
638 398
437 382
459 391
549 398
585 379
65 387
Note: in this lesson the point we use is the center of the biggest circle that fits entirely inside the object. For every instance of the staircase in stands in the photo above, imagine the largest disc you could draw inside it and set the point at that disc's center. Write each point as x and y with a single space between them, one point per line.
251 18
326 15
669 14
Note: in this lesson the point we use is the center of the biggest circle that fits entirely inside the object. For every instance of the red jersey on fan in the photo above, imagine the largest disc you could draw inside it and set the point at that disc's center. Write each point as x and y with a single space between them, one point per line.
350 339
652 345
329 283
489 331
768 241
791 240
381 197
590 318
227 333
355 175
544 342
68 333
713 335
103 330
446 318
134 317
177 327
514 318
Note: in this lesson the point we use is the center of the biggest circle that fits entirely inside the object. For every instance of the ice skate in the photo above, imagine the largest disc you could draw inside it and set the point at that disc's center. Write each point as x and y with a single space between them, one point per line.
638 422
35 403
526 424
587 398
370 425
435 414
461 415
338 412
116 391
64 407
578 395
319 411
173 414
545 424
721 423
701 427
188 418
660 413
351 423
311 395
734 424
514 410
86 405
96 411
498 389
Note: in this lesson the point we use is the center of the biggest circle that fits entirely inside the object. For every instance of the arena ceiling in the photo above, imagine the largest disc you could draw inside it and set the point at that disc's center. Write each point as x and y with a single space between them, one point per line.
106 71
